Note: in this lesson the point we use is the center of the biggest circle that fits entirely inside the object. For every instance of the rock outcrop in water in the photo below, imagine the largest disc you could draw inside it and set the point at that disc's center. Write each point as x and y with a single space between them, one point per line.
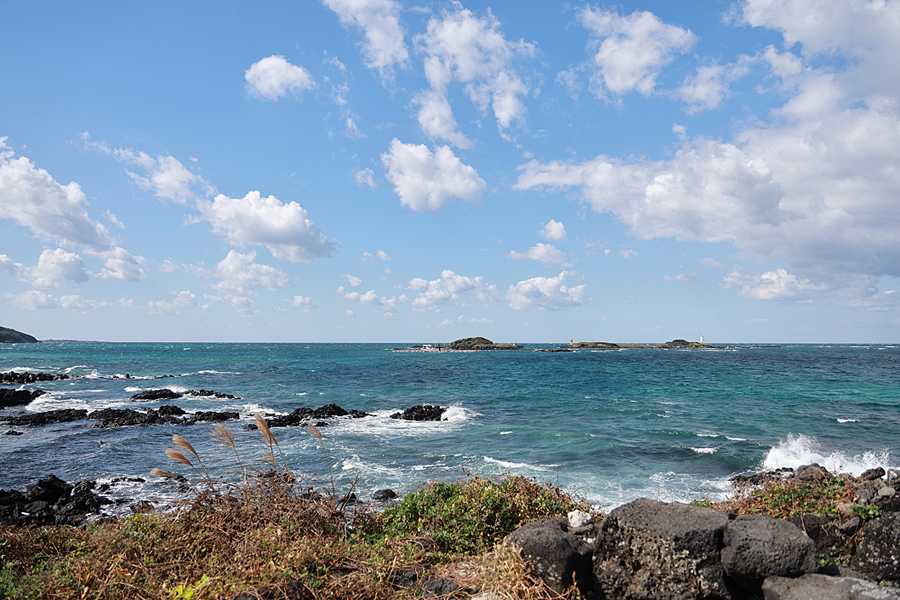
167 394
18 397
303 415
422 412
29 377
121 417
51 501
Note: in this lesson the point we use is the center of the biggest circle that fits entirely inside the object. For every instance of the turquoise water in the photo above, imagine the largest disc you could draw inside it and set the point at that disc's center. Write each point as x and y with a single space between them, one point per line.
613 425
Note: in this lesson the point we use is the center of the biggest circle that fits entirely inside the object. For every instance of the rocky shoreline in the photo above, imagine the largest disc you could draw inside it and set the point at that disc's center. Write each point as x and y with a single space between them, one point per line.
647 548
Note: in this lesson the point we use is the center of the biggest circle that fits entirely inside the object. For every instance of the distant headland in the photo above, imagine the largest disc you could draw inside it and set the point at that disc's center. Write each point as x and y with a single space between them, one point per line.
11 336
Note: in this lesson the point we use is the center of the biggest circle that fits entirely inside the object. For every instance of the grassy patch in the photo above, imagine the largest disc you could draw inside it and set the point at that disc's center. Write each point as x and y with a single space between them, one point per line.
788 498
268 532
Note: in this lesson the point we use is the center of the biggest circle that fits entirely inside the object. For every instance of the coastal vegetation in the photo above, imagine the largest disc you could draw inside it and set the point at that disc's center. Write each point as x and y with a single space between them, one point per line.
266 534
674 344
11 336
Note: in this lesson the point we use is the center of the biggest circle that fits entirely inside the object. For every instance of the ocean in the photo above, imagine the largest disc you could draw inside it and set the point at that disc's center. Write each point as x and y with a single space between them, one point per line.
610 425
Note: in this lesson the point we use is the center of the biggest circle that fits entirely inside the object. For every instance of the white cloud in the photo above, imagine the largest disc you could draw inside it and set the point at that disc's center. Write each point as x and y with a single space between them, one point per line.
353 281
709 263
425 181
704 90
771 285
542 253
182 302
472 51
37 300
55 267
687 276
384 48
31 197
164 176
285 229
448 289
631 50
461 320
554 230
304 303
239 275
545 293
120 264
384 256
274 77
365 177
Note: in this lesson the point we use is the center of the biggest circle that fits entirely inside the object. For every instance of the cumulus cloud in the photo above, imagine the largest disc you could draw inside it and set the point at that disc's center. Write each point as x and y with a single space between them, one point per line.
448 289
164 176
181 302
285 229
814 186
547 254
365 177
554 230
472 51
353 281
274 77
545 293
368 298
771 285
630 50
384 48
239 275
424 180
32 198
55 267
303 302
118 263
37 300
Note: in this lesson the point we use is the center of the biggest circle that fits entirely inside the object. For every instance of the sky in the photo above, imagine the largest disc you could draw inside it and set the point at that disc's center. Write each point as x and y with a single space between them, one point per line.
389 171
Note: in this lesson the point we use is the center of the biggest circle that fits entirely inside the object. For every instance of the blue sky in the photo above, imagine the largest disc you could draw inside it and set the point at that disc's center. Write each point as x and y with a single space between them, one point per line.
375 170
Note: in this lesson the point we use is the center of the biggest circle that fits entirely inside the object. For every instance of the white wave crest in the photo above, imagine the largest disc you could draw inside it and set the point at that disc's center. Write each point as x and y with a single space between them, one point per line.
512 465
802 450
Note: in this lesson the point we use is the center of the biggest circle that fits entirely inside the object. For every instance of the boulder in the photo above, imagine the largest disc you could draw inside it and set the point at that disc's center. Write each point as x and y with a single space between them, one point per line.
62 415
49 489
649 549
813 472
438 587
824 587
23 378
555 555
384 495
18 397
162 394
422 412
872 474
757 546
303 414
878 548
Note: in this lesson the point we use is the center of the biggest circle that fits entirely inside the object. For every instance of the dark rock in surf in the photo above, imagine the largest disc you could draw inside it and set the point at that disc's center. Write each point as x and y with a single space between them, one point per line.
10 397
302 415
162 394
51 501
63 415
384 495
167 394
422 412
25 378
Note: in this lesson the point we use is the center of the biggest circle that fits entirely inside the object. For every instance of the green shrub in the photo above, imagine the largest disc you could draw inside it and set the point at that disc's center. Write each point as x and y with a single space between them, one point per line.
467 517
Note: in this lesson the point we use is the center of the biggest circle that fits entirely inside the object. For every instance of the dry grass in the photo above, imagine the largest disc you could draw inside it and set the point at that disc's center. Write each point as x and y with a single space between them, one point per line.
269 536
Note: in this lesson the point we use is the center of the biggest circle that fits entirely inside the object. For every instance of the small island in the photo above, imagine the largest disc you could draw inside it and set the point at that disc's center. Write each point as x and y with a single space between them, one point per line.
11 336
678 344
480 343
